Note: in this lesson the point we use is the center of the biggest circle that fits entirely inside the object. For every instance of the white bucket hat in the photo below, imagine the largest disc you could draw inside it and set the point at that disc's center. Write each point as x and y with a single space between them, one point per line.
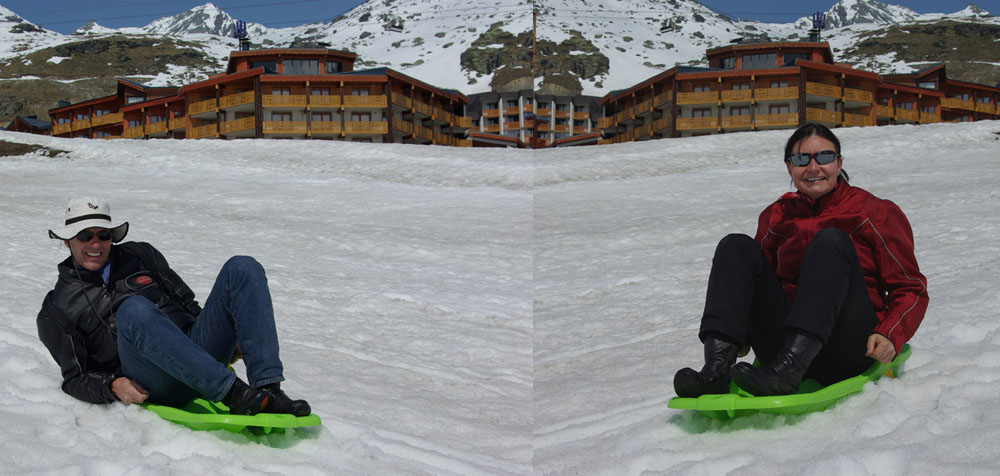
83 213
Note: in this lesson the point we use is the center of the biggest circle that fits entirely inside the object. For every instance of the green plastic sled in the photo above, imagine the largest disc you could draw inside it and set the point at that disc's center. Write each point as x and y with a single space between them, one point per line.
811 397
200 414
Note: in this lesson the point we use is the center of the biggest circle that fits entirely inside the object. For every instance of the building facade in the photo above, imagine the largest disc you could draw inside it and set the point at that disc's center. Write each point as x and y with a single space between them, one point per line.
526 119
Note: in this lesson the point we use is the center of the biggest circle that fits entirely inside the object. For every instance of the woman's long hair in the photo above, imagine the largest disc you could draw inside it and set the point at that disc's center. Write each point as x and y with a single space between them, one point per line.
813 129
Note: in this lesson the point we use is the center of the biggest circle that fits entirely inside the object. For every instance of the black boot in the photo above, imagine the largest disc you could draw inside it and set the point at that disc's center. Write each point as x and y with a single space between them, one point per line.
784 374
282 404
243 399
714 376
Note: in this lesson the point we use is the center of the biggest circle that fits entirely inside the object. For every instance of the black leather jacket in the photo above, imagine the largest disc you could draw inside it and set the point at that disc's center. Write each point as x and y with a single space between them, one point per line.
77 320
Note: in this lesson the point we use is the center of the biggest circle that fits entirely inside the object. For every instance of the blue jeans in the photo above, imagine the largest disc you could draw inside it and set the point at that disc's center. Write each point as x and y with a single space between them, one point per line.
175 367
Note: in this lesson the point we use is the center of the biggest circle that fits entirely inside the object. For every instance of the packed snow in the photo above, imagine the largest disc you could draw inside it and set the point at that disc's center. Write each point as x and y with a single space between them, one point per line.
457 311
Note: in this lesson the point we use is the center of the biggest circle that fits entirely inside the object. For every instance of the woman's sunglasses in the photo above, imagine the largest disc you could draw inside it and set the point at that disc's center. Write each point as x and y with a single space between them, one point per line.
87 235
801 159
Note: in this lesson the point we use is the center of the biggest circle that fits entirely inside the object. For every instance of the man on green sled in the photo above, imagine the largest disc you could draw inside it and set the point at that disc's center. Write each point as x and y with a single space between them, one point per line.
122 325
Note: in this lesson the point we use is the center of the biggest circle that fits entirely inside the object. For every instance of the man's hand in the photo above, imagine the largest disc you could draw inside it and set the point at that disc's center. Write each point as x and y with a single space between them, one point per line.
128 391
880 348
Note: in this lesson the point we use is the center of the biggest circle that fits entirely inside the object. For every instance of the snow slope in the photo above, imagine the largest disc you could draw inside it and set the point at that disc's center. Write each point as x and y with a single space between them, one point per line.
456 311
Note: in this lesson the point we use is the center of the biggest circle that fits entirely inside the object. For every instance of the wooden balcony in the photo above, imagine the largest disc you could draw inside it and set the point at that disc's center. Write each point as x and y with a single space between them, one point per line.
907 115
859 120
427 110
737 95
883 111
403 126
562 113
664 98
929 117
822 115
511 125
177 123
704 97
695 123
200 132
511 110
643 131
81 124
528 124
581 115
661 123
132 132
325 127
443 139
201 107
323 102
62 128
604 141
545 126
491 128
857 95
113 118
986 107
644 106
463 142
463 121
157 128
781 119
291 101
957 103
544 112
826 90
561 128
371 127
284 127
734 122
366 102
237 125
528 107
605 123
234 100
776 94
423 133
401 100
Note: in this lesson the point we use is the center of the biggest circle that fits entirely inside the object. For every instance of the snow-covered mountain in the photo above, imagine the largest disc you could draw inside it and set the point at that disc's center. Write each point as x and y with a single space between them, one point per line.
204 19
852 12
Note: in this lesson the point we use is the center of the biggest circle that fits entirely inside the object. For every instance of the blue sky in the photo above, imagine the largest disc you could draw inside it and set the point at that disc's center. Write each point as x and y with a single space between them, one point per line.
65 16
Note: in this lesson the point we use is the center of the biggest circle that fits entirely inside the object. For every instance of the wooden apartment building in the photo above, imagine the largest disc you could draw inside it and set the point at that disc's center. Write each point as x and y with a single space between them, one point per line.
526 119
279 93
784 85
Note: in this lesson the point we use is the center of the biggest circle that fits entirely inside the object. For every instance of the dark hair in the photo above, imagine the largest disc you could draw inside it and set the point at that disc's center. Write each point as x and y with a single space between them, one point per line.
813 129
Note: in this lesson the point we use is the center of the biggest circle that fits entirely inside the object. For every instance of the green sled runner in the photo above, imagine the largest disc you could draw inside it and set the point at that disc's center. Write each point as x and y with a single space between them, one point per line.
811 397
201 414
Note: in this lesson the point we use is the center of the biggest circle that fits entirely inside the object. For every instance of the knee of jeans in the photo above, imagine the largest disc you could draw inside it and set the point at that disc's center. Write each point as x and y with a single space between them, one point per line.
243 264
736 241
133 310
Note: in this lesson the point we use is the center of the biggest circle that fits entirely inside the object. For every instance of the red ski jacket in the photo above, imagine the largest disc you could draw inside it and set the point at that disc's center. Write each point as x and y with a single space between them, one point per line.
881 235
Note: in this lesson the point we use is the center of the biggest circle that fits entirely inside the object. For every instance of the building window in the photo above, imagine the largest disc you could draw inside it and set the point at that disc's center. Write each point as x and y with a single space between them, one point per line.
512 133
322 117
739 111
561 135
270 67
761 61
905 105
82 115
702 88
962 96
964 119
101 112
359 92
927 84
135 99
103 134
134 123
281 91
788 59
492 121
579 124
562 107
491 106
475 123
930 109
543 105
334 67
562 122
705 112
778 109
511 119
779 83
361 116
281 116
511 103
728 62
527 100
301 67
738 86
63 120
983 100
155 119
580 109
321 91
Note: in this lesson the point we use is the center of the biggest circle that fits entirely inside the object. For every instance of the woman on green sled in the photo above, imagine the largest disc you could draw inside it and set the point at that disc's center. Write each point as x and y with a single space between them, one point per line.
829 282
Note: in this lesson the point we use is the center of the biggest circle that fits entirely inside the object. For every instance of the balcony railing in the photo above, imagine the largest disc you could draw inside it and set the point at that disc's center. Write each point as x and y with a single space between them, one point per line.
324 127
823 90
464 142
703 97
62 128
132 132
580 115
112 118
958 103
546 112
528 124
822 115
208 130
737 95
883 111
286 101
284 127
366 102
605 123
423 133
604 141
426 109
644 130
860 120
177 123
511 125
561 128
463 121
511 110
318 101
780 119
234 100
857 95
81 124
663 98
661 123
491 128
562 113
156 127
401 100
929 117
985 107
360 127
201 106
907 114
403 126
735 121
236 125
772 94
693 123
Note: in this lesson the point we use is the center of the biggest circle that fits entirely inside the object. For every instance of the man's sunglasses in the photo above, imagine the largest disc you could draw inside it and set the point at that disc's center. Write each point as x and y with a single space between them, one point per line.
87 235
801 159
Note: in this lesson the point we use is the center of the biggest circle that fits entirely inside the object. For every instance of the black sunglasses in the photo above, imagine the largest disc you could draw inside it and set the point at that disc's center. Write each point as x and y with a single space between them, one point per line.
801 159
87 235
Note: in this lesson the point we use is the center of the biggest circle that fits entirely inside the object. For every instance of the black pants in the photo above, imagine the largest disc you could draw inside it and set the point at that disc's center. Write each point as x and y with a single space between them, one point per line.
746 303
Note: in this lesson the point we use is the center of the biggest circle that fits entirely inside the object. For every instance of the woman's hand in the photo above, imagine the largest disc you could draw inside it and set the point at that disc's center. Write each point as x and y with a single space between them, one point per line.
128 391
880 348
